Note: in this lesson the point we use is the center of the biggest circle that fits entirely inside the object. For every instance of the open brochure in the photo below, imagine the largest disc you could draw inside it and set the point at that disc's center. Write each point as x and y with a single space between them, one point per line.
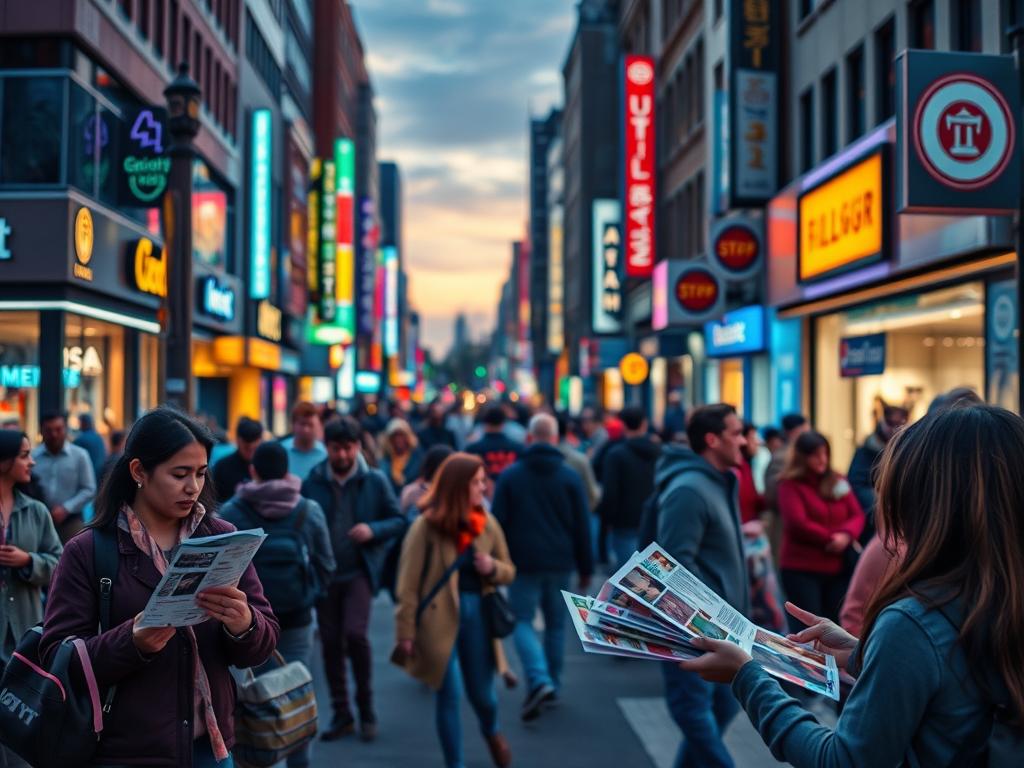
653 607
199 564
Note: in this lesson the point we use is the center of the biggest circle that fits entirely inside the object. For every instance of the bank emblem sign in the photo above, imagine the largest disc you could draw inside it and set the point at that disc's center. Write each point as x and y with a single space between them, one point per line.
956 133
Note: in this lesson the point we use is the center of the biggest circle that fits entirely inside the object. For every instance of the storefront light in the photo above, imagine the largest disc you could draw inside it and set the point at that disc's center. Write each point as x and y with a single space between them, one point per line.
128 321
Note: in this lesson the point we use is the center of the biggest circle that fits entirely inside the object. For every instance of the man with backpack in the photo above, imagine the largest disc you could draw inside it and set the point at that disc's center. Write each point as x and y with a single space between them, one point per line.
295 562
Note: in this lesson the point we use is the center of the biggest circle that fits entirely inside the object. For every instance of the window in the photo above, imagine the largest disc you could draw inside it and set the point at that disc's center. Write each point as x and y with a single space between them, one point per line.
700 212
158 26
885 71
856 122
94 356
829 114
172 29
126 7
698 79
186 41
806 6
718 10
966 25
807 130
144 18
208 80
19 370
922 24
33 116
259 55
197 56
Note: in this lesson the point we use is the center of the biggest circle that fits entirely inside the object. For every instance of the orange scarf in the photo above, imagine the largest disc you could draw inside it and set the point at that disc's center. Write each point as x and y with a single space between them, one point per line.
469 530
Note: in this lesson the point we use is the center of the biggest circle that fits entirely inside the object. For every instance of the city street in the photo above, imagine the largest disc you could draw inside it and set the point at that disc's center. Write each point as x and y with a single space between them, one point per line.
613 713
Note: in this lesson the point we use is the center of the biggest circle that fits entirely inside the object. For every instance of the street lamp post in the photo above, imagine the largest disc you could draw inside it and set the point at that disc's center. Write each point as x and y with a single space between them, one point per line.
183 100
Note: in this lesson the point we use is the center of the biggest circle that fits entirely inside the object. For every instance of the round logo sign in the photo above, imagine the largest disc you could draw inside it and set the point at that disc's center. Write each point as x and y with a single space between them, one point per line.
83 235
737 248
634 369
697 291
640 72
1003 318
963 131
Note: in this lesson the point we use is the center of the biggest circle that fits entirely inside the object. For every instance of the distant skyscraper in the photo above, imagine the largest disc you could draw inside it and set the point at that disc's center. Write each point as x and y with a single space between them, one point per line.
460 336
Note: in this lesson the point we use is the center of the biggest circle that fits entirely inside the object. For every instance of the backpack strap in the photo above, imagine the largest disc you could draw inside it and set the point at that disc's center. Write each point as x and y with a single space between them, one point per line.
301 512
106 559
442 581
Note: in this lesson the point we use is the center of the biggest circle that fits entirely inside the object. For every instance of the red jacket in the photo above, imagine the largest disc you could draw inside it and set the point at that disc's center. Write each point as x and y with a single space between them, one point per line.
808 522
751 502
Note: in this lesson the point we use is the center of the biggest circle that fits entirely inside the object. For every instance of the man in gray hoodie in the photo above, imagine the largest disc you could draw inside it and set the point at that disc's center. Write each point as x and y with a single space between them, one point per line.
698 523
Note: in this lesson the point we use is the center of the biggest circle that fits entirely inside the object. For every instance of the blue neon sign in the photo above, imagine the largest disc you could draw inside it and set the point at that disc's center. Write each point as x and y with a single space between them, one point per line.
262 153
740 332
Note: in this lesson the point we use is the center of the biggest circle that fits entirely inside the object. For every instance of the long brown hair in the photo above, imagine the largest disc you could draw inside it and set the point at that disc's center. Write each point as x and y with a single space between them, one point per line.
796 462
951 491
446 504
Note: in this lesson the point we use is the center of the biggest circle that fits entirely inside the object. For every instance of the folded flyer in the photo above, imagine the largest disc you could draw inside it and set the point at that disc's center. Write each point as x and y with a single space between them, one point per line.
653 607
197 565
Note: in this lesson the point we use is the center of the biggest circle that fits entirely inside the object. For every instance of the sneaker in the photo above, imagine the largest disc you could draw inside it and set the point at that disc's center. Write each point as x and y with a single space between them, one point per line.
501 753
368 730
535 701
551 700
340 727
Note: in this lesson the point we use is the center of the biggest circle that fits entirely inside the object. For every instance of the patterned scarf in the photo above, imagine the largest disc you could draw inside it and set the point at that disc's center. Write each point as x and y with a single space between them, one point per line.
130 522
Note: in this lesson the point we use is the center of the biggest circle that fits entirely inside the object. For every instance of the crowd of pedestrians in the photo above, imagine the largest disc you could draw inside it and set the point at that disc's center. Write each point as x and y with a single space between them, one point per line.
449 514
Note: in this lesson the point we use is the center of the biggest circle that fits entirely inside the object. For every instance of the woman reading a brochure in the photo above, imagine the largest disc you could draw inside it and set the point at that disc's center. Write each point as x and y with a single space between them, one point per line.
171 696
939 666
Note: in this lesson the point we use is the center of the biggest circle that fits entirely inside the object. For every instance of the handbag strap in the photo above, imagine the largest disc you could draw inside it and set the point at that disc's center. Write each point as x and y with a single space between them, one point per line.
90 682
441 582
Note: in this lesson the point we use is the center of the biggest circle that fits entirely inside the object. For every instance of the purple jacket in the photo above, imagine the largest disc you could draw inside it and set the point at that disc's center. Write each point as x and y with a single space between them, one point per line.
150 722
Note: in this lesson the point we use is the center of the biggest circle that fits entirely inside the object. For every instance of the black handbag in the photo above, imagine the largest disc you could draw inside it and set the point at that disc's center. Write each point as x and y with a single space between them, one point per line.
498 615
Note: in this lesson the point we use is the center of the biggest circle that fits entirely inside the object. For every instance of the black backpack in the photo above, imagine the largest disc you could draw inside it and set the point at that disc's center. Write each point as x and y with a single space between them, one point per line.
648 530
284 562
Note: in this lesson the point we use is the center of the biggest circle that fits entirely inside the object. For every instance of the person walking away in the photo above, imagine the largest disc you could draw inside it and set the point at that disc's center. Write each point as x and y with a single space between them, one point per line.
628 482
434 432
592 430
304 448
751 502
821 521
453 557
577 462
540 504
495 448
92 441
233 470
936 683
29 550
864 465
696 519
175 698
793 425
116 449
675 416
295 561
364 522
409 501
401 455
66 475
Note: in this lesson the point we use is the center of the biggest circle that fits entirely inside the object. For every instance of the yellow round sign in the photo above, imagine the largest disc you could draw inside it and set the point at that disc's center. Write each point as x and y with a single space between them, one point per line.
83 235
634 369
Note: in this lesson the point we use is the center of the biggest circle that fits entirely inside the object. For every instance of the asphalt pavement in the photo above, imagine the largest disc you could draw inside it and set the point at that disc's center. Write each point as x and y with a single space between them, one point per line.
611 714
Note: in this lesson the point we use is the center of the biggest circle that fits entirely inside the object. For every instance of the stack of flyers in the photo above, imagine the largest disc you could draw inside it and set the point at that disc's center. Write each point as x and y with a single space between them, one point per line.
652 608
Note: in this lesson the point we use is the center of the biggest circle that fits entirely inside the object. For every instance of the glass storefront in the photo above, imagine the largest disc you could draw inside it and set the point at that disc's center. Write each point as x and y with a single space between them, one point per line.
19 370
932 342
94 362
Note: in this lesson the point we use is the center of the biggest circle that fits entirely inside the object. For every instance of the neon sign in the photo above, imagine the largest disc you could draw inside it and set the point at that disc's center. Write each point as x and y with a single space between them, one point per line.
259 284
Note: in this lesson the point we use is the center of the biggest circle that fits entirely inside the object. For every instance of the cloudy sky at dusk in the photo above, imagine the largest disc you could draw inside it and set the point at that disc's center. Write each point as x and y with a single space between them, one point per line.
456 81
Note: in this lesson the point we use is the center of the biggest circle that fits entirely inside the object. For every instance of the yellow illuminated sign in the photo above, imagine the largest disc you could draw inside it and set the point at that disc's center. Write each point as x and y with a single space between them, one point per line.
634 369
841 222
269 321
149 268
84 238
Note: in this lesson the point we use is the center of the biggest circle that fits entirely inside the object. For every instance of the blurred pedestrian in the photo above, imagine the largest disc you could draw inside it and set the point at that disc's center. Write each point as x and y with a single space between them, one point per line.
793 425
233 470
864 466
175 697
592 430
401 454
616 433
751 502
116 449
495 448
873 566
66 475
675 416
628 482
92 441
936 683
577 462
454 555
412 493
541 506
821 523
305 449
295 562
434 432
364 521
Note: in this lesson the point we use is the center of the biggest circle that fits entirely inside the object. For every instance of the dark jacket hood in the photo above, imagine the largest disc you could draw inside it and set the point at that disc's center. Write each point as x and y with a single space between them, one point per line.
544 458
644 447
678 459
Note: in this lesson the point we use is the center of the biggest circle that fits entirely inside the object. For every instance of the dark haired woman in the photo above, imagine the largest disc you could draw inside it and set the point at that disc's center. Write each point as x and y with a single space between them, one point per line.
448 645
821 520
414 491
941 646
175 698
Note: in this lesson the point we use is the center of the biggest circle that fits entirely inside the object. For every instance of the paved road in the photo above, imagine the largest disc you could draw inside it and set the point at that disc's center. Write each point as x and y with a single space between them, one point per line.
612 715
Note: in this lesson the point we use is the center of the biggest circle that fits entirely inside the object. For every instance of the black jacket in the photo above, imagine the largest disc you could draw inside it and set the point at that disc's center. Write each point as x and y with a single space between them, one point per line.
542 508
498 452
430 436
375 505
628 481
229 473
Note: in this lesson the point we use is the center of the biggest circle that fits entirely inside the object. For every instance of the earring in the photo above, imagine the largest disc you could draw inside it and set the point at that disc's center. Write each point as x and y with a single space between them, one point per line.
139 484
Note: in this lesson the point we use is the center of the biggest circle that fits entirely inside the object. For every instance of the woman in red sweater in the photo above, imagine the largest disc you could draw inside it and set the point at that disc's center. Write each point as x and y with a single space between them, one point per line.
821 519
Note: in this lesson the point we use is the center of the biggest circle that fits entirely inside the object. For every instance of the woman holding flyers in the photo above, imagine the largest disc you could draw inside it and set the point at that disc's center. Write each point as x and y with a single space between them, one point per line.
821 521
174 699
453 556
940 654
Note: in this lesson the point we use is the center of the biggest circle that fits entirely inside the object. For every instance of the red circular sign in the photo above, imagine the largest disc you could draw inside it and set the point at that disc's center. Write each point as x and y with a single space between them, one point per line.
963 131
697 291
737 248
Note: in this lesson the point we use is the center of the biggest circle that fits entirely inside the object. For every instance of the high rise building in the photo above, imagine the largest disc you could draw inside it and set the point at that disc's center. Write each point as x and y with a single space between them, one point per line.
543 133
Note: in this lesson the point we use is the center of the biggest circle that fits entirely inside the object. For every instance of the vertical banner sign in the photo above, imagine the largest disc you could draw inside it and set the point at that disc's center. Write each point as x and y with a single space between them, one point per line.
639 190
328 305
379 298
344 286
390 301
525 351
313 227
298 232
366 270
607 285
556 282
259 242
753 84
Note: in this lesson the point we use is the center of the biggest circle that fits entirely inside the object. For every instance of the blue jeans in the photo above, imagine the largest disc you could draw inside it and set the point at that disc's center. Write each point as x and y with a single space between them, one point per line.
295 644
623 543
702 711
542 662
471 665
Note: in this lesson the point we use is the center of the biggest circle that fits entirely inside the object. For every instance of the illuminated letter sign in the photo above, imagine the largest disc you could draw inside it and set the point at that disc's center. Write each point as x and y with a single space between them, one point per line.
327 306
639 171
5 232
217 300
145 162
841 222
259 245
147 268
344 286
607 251
269 321
390 301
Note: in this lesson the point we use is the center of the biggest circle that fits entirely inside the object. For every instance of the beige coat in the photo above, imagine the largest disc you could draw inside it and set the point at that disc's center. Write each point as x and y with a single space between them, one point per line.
439 624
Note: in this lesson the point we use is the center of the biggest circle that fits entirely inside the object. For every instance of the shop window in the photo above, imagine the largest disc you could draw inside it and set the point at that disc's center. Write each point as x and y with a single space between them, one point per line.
966 24
86 134
922 24
856 99
94 372
149 366
19 371
210 218
33 112
807 130
885 71
829 114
